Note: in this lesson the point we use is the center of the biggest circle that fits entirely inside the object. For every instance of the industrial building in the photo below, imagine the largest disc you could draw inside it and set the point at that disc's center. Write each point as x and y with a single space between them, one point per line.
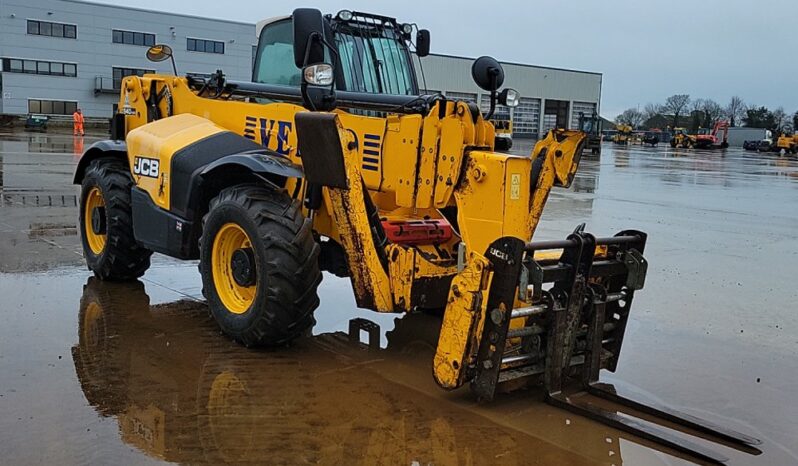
550 97
58 55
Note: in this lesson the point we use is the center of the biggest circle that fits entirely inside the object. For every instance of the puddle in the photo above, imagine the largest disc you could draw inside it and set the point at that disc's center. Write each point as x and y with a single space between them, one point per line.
95 372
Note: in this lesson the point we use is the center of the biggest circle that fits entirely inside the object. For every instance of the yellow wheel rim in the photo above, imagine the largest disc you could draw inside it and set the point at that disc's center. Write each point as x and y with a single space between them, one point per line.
236 298
231 417
96 241
91 324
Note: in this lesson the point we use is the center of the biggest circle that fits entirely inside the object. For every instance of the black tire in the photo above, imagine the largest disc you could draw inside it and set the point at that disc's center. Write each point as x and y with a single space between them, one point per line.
286 264
503 144
122 258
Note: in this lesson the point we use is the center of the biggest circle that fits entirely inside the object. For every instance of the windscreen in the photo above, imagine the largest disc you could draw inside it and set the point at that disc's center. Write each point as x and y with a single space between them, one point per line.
374 59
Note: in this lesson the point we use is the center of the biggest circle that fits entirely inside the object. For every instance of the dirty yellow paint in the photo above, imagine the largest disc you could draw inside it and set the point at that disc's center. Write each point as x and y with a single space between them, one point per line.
462 322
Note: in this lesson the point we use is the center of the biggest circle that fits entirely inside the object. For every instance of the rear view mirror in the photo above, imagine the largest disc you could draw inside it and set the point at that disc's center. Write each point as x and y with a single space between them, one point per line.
422 43
159 53
308 36
488 74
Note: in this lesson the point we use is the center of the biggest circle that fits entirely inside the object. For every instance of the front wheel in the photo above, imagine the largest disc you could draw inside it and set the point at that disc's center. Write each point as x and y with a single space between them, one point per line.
259 265
106 222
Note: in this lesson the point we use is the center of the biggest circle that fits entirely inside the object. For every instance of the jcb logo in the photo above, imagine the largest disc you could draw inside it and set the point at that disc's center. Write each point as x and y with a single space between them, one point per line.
499 254
146 167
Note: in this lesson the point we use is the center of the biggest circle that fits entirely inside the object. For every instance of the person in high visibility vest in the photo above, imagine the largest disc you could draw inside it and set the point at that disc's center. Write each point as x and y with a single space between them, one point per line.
77 123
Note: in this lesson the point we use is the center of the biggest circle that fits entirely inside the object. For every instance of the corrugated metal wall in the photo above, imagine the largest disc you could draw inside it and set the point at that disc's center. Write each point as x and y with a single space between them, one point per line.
584 107
535 84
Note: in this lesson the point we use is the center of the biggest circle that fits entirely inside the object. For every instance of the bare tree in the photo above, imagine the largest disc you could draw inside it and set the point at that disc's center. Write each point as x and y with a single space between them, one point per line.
651 110
676 105
712 112
779 119
632 117
735 111
696 114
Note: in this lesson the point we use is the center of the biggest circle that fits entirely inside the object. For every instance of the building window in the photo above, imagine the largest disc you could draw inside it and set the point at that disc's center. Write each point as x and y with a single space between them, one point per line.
52 107
120 73
48 68
203 45
133 38
47 28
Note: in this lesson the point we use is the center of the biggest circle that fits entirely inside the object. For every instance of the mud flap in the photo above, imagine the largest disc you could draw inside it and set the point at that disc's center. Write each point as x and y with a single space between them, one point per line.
320 149
330 159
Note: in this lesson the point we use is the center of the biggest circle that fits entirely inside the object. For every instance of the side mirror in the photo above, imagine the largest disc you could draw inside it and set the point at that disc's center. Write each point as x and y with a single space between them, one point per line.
308 36
422 43
488 73
318 78
160 52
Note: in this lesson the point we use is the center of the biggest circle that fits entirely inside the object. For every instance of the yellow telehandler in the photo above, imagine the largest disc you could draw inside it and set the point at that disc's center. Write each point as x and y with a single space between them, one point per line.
623 134
332 160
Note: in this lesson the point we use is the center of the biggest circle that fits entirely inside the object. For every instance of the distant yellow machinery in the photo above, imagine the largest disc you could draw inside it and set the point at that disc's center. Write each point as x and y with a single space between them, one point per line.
504 133
788 143
623 134
716 138
681 139
329 162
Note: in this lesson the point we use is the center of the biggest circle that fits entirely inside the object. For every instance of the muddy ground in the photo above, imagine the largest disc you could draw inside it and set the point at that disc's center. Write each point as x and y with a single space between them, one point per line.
92 372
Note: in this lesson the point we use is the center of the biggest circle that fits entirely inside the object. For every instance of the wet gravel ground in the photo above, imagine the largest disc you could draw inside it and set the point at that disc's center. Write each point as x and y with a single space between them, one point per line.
93 372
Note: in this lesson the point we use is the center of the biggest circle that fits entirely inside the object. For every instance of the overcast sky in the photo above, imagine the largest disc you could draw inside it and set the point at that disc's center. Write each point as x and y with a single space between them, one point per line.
647 50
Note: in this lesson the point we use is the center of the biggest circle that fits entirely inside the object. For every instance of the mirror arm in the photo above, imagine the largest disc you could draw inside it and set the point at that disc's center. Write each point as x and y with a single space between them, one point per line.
316 36
492 96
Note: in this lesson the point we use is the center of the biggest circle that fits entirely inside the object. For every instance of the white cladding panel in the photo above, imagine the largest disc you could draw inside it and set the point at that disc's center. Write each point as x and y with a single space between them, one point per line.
534 83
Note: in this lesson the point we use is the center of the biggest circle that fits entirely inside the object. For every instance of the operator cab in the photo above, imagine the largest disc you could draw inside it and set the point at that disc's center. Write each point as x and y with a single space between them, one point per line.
373 53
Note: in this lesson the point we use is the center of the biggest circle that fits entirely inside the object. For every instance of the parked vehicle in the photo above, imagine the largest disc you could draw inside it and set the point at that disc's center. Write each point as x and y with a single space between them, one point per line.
739 135
751 145
38 122
788 143
623 134
651 138
591 125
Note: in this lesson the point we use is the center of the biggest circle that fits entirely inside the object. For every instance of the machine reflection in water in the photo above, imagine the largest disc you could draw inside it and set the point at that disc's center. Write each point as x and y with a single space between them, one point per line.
182 392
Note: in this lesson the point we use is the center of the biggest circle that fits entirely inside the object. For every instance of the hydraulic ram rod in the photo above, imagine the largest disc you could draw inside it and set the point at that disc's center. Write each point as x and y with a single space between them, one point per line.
568 243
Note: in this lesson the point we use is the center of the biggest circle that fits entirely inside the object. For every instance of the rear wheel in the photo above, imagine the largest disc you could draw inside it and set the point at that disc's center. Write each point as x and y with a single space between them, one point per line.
259 266
106 222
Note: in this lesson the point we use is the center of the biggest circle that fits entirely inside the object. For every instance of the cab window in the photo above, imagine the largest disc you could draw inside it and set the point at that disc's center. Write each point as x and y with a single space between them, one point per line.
274 63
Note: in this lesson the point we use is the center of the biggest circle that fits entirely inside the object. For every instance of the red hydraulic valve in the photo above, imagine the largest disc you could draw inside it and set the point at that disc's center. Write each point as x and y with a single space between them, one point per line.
414 232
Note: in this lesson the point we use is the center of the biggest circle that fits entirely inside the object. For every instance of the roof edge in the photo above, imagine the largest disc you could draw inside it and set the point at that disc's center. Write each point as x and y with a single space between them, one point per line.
527 65
147 10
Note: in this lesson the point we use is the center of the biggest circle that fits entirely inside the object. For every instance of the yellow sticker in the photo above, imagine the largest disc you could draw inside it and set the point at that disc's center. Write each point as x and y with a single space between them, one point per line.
515 186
